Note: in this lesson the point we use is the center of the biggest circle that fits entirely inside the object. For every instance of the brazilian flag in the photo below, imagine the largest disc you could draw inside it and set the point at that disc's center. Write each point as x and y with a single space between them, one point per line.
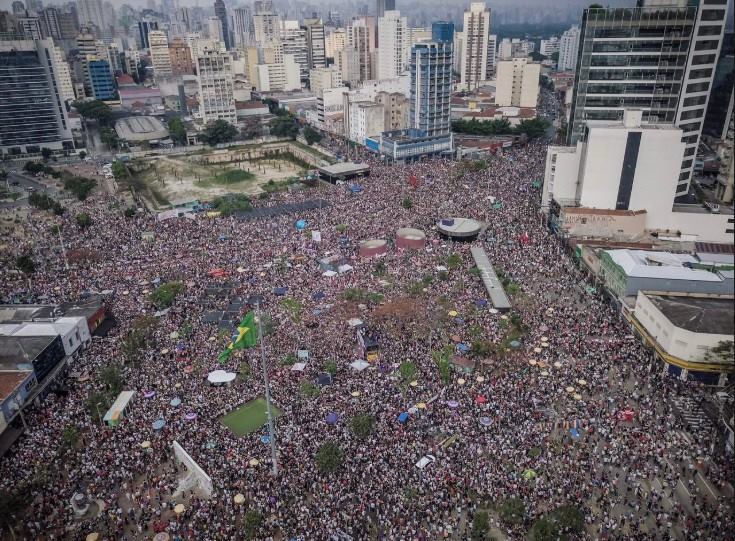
246 336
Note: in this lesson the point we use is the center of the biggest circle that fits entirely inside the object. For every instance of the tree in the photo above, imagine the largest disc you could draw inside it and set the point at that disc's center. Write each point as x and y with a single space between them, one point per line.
119 170
111 377
129 212
109 137
407 203
12 504
83 220
177 130
533 128
311 135
284 126
569 519
329 457
722 352
330 367
544 530
362 425
252 523
82 155
80 186
512 511
46 153
165 294
218 131
480 526
25 264
3 175
70 436
454 261
407 370
93 110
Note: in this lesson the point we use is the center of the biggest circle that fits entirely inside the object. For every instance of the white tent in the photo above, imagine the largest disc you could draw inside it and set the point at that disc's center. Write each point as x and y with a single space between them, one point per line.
360 365
329 273
344 268
220 376
298 367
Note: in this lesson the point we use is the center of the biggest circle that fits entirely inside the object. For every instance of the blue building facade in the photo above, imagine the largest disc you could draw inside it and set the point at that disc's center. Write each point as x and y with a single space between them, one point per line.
431 87
442 31
100 79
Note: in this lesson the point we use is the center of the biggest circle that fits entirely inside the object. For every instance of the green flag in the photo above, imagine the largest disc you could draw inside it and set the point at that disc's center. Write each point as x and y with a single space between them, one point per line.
247 333
224 355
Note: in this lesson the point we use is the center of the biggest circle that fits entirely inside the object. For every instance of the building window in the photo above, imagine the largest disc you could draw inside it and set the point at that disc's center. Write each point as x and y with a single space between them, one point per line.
710 30
713 15
700 74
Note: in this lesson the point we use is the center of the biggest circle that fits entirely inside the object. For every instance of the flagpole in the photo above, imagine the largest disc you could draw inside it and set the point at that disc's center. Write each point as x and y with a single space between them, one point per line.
271 429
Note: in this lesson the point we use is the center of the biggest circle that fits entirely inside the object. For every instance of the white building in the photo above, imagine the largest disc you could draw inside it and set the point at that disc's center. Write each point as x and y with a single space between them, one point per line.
505 49
517 83
74 331
315 43
216 86
330 101
492 56
458 51
214 29
361 39
266 23
568 48
549 46
63 74
630 166
160 55
279 76
393 45
91 11
476 32
293 42
366 120
683 329
242 27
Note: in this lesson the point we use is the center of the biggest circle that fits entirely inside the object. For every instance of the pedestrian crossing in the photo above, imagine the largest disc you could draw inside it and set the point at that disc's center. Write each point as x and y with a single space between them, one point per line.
692 414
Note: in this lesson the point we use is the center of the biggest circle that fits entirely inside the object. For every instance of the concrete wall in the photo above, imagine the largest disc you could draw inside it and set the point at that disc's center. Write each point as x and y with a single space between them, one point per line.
620 227
560 176
705 226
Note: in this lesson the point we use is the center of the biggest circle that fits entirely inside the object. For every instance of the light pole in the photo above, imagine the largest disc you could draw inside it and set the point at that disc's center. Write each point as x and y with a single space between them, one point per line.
269 412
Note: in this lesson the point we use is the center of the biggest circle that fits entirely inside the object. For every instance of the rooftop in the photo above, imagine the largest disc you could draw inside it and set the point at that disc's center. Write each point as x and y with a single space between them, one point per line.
602 212
9 381
660 265
21 350
696 313
140 128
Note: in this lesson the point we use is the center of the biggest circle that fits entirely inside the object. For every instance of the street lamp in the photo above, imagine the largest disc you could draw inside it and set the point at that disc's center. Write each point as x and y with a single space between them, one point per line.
269 412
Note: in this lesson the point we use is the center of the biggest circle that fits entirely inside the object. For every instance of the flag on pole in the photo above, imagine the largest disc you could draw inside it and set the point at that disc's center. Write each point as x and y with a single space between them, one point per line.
245 337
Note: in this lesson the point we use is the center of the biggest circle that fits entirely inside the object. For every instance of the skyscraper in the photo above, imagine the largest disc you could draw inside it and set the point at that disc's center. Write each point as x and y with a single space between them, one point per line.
143 28
654 57
293 42
216 86
442 31
384 5
394 46
91 12
100 78
476 33
221 12
431 87
315 43
32 113
266 23
361 40
242 27
492 56
568 49
160 55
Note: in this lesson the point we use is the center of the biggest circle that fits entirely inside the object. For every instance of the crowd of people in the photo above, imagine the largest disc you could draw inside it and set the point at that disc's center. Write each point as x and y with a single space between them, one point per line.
629 479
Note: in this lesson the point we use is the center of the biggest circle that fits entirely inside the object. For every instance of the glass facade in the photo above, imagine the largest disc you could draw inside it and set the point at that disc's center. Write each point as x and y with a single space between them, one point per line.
100 78
442 31
431 87
31 112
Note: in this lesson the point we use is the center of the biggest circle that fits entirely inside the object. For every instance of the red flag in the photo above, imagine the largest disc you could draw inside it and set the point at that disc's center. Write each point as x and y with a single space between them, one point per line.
413 180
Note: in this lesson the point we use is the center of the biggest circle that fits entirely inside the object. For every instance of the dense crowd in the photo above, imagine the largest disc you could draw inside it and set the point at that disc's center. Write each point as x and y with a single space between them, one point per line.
625 477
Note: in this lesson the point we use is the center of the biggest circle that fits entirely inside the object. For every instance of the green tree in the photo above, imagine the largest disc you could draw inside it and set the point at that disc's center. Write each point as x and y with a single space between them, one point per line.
177 130
164 295
512 511
79 186
70 436
252 522
724 351
330 367
83 220
109 137
25 264
94 110
480 526
97 404
454 261
82 155
46 153
569 519
12 504
112 379
284 126
408 371
533 128
311 135
544 530
407 203
218 131
308 389
329 457
228 205
362 425
119 170
129 212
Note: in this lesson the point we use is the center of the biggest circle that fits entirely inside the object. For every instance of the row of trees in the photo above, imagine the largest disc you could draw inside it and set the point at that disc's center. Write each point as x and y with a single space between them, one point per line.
532 128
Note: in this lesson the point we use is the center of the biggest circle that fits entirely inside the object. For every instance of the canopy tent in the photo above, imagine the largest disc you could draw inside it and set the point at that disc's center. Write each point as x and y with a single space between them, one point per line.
359 365
298 367
219 377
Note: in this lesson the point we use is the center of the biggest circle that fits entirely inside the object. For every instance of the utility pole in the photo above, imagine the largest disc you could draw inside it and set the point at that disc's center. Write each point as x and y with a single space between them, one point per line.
269 412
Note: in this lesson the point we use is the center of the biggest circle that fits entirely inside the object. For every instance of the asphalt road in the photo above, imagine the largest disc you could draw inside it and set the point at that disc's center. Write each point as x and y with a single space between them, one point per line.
24 182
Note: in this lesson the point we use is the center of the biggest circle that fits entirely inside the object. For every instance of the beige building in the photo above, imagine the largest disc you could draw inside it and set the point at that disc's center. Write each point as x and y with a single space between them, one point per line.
180 55
475 35
600 223
334 42
216 86
517 83
322 78
160 55
361 39
395 110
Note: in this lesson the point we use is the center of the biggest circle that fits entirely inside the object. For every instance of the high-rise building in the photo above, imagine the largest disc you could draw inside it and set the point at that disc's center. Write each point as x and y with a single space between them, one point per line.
568 49
442 31
654 57
431 88
216 86
725 187
160 54
50 23
266 23
361 39
476 32
61 69
293 41
384 5
220 12
517 83
315 43
393 48
492 56
91 12
19 8
32 111
214 30
180 55
334 42
68 23
242 27
101 82
321 78
549 46
30 27
144 27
